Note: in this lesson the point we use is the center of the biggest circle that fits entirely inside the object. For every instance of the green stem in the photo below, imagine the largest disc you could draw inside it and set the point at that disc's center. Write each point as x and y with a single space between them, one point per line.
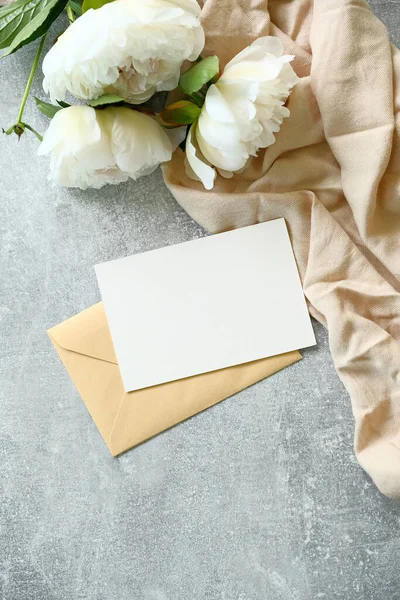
198 98
30 79
70 13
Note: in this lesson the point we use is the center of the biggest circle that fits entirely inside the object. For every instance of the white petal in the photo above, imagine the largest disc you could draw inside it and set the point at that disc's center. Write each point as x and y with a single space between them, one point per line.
238 90
217 107
198 43
73 127
231 160
258 49
197 162
225 174
176 136
264 69
220 135
138 142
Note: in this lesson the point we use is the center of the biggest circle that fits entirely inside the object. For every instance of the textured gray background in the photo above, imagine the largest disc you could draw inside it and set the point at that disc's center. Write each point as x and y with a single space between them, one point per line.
259 498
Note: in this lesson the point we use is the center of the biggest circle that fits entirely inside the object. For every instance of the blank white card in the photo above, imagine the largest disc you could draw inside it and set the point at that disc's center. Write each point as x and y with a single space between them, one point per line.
204 305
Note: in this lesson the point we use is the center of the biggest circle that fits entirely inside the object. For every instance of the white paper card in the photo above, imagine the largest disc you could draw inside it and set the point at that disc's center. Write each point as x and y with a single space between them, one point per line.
204 305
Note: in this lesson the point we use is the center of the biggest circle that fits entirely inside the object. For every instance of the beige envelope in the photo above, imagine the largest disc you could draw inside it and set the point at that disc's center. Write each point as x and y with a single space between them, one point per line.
126 419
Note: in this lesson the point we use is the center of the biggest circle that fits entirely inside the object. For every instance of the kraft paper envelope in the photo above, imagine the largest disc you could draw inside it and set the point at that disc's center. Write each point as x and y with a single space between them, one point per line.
84 344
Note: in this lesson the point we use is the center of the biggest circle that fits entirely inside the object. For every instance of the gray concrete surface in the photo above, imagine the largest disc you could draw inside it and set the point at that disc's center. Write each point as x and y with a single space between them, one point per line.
259 498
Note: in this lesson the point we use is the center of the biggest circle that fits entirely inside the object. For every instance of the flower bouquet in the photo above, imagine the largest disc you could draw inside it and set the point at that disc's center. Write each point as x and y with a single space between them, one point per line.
104 73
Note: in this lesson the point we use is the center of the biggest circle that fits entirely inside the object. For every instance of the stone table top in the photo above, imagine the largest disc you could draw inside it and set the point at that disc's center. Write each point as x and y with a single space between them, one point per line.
258 498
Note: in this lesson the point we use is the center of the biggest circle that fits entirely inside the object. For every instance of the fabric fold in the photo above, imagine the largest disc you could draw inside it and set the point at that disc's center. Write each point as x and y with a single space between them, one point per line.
334 175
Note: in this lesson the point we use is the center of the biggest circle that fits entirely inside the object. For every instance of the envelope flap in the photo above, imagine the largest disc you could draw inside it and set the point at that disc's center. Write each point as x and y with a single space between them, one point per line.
86 333
146 412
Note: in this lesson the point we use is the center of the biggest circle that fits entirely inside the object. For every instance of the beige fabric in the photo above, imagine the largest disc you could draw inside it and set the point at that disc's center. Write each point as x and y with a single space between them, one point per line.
334 174
124 420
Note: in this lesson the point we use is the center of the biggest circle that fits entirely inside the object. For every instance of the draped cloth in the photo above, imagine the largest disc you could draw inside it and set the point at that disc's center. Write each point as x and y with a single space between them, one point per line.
334 175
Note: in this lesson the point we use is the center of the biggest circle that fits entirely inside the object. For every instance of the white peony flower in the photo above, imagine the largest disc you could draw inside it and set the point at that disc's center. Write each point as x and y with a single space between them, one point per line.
90 148
242 111
132 48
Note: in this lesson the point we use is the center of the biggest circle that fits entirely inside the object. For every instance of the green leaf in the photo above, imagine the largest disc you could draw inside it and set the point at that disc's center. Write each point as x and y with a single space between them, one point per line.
106 99
76 7
10 130
23 21
180 113
94 4
202 72
63 104
39 137
49 110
